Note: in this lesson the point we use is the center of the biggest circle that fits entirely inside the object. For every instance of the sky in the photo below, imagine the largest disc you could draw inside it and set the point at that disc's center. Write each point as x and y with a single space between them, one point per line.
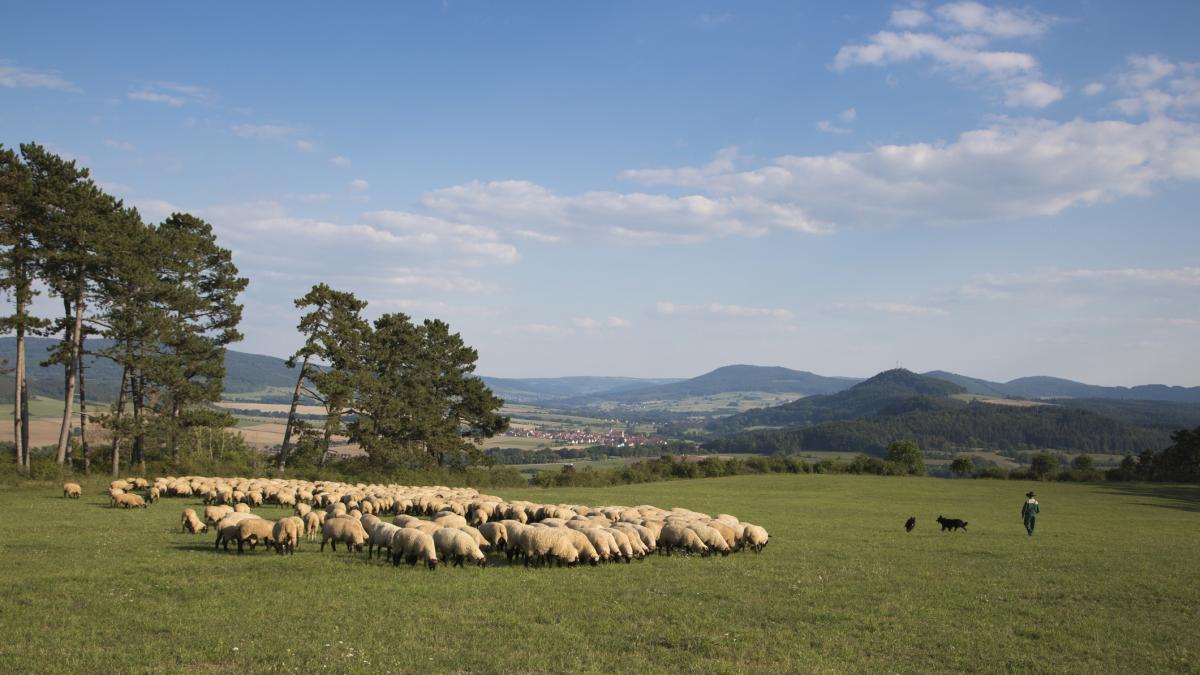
660 189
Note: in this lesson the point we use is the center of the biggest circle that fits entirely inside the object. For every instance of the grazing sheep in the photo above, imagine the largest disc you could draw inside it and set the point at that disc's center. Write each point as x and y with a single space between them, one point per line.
624 545
191 523
227 528
312 524
711 538
456 546
241 508
402 520
349 531
368 521
449 520
214 514
476 536
286 534
379 536
414 545
140 484
495 534
128 500
602 541
676 536
477 516
550 544
72 490
113 493
302 508
254 530
756 537
152 495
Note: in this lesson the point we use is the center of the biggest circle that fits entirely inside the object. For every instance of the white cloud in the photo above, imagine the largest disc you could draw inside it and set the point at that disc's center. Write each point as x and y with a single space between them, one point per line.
959 49
173 94
312 197
1152 85
723 311
111 187
13 76
443 281
910 17
267 132
1015 168
1094 88
471 243
846 116
973 17
154 210
633 217
359 185
588 323
306 146
1125 277
119 145
339 161
896 308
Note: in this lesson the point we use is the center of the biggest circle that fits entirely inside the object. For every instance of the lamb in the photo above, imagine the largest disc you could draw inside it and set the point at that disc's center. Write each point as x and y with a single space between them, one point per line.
128 501
72 490
457 546
495 534
349 531
286 534
414 545
756 537
191 523
254 530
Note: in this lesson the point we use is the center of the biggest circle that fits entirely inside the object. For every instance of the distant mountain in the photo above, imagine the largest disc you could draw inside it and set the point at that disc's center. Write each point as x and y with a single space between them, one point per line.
898 404
727 379
1043 387
529 390
890 390
244 373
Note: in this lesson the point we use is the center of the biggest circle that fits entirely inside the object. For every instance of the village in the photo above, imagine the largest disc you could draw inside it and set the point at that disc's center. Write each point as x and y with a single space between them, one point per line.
618 438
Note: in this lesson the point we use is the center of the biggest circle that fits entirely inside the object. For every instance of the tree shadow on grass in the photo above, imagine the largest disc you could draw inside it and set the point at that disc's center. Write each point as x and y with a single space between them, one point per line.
1166 496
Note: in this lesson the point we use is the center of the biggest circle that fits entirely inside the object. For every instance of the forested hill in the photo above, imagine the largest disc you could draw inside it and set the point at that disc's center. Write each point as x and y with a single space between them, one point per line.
736 378
243 372
886 391
550 389
1042 387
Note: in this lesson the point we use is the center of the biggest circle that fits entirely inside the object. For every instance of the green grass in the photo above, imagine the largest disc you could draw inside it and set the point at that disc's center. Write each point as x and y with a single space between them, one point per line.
1109 584
41 406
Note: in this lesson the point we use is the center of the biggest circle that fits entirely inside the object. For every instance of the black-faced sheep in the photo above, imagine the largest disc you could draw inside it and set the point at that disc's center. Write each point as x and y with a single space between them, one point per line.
128 500
254 530
756 537
191 523
455 546
72 490
414 545
286 534
349 531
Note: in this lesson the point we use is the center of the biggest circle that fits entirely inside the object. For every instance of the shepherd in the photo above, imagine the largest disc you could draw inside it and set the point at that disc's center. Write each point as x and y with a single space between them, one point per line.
1029 512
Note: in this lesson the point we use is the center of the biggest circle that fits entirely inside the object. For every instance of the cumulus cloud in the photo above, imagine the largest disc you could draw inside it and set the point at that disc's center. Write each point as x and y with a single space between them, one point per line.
13 76
588 323
1014 168
1094 88
958 45
722 311
444 281
1153 85
172 94
359 185
630 216
846 117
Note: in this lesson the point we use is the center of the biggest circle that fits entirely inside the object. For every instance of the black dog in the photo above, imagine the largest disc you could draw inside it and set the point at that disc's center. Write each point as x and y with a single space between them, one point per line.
952 524
910 524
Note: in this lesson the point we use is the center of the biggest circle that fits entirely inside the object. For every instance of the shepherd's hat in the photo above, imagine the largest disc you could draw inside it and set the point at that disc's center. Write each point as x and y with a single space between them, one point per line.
1029 494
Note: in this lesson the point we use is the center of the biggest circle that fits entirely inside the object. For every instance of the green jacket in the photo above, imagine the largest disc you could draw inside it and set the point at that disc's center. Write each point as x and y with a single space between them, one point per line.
1030 509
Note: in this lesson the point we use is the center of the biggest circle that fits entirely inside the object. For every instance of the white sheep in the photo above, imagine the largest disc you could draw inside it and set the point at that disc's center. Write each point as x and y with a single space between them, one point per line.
72 490
286 534
413 545
457 547
349 531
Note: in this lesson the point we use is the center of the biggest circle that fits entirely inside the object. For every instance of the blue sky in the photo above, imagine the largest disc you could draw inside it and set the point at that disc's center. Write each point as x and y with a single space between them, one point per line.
659 189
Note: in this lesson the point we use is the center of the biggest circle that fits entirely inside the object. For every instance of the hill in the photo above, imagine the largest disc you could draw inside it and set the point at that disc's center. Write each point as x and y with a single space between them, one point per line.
886 391
727 379
1044 387
548 389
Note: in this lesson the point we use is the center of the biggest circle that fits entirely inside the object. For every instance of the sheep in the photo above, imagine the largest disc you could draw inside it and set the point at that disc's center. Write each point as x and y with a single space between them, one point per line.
413 545
214 514
548 544
425 526
113 493
711 538
756 537
457 546
312 524
227 528
476 536
496 535
727 532
121 485
402 520
602 541
241 508
140 484
128 501
302 508
191 523
449 520
152 495
368 521
72 490
477 516
379 536
642 532
583 547
624 546
286 534
679 536
349 531
254 530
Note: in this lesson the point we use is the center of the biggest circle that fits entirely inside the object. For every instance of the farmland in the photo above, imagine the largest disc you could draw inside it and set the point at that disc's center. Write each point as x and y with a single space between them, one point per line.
1108 584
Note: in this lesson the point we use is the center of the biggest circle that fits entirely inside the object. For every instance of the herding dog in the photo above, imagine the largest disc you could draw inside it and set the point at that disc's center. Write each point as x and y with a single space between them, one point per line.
910 524
952 524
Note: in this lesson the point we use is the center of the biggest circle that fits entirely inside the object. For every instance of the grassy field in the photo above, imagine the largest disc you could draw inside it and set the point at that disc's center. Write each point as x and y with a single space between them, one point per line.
1109 584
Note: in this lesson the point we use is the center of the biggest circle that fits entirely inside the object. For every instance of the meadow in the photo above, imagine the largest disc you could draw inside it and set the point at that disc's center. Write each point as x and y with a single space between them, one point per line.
1108 584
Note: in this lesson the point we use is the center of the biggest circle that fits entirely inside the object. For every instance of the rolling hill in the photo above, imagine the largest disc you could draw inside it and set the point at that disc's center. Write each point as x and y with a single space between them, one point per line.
1043 387
736 378
550 389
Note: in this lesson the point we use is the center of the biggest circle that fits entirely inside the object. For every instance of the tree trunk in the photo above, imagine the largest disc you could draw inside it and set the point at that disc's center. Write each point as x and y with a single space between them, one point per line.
83 420
116 439
19 386
25 420
325 442
174 438
64 432
136 391
291 420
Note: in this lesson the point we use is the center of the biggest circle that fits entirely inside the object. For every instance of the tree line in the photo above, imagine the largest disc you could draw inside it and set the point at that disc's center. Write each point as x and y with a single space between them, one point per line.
164 296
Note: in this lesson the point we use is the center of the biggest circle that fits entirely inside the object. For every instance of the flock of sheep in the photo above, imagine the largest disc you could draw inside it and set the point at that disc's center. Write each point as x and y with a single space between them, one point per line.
460 525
